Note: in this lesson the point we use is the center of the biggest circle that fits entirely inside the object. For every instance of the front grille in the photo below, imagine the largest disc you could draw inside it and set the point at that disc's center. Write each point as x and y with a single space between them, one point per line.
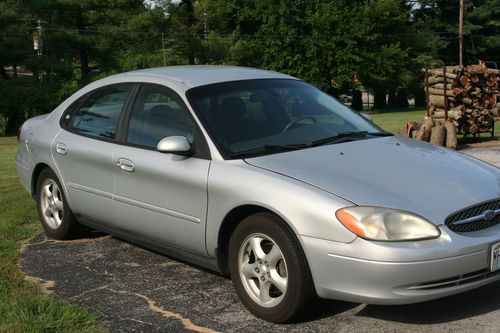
472 218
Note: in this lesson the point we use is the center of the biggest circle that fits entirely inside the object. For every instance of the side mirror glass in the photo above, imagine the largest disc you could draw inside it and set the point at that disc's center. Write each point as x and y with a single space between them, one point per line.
174 144
366 116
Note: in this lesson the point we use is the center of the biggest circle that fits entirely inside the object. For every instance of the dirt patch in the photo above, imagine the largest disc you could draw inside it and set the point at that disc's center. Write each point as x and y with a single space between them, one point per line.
479 144
47 286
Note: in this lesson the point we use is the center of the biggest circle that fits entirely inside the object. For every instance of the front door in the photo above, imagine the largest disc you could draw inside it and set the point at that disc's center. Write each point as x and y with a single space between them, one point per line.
161 196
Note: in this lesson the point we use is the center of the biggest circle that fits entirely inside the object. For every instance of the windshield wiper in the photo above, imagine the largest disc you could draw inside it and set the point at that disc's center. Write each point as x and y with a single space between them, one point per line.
381 133
341 137
271 148
347 136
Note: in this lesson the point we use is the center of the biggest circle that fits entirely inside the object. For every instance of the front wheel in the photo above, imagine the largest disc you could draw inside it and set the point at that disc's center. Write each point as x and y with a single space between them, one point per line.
269 270
53 210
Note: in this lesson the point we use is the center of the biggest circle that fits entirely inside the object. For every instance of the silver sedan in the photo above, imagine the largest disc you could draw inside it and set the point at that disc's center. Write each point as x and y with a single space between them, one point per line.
264 177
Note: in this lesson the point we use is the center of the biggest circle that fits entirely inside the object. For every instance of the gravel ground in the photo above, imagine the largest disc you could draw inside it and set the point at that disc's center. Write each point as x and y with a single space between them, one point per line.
488 154
136 290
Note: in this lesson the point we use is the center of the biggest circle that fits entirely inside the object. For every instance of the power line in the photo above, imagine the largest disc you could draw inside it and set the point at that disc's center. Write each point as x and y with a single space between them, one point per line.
182 34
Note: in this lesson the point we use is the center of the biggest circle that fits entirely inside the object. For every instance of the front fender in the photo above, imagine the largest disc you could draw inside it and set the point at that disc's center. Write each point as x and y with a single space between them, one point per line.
308 211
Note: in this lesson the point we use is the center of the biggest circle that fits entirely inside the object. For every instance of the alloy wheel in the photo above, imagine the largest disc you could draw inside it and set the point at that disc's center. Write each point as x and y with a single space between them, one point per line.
51 200
263 270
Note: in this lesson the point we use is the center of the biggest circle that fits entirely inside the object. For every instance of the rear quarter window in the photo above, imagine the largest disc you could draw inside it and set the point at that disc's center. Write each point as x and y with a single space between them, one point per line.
97 113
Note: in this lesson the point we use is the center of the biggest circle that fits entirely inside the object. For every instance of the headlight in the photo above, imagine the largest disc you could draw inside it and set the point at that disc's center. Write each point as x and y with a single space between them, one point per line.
385 224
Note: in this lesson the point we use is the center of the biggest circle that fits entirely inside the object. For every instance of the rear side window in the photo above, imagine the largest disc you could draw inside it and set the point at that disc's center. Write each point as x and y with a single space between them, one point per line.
98 115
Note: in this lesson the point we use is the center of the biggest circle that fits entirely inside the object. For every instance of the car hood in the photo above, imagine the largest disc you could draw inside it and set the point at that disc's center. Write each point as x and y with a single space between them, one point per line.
391 172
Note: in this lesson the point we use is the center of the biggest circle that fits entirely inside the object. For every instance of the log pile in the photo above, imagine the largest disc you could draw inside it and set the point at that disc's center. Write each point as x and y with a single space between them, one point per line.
435 131
470 95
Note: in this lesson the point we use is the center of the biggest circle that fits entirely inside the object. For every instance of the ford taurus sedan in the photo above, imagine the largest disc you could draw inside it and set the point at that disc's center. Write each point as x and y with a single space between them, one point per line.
264 177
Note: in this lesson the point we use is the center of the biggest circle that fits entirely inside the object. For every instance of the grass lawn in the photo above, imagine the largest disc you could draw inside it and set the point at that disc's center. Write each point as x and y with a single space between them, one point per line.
392 120
23 306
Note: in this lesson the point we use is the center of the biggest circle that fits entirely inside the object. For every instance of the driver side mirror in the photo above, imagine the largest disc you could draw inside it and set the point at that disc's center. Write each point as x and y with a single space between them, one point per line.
175 145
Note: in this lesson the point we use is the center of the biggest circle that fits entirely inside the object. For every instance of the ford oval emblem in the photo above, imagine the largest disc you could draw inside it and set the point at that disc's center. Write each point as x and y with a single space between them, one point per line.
488 215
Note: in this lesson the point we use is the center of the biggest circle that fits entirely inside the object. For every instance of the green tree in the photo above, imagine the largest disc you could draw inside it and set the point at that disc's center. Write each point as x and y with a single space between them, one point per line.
439 20
85 32
82 40
483 26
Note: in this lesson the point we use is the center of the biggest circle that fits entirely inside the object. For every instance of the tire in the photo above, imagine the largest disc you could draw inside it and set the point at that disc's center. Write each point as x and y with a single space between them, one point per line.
57 219
269 270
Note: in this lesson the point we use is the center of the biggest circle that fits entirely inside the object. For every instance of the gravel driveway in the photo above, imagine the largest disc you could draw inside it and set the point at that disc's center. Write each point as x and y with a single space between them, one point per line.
136 290
488 154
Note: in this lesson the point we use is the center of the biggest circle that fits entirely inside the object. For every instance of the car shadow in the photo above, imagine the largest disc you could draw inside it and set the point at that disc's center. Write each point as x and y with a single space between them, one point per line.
90 234
324 308
443 310
465 305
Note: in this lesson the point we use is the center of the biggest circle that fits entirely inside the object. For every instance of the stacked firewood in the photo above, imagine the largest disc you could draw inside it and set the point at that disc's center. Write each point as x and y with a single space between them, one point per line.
435 131
469 94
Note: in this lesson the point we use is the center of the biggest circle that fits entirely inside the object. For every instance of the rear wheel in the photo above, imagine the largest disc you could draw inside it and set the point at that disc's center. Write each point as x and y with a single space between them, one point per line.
53 210
269 270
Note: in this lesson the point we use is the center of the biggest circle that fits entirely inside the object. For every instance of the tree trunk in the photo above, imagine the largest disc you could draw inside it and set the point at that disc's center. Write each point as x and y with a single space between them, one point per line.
379 99
84 59
357 100
3 72
191 57
391 100
419 97
14 121
402 98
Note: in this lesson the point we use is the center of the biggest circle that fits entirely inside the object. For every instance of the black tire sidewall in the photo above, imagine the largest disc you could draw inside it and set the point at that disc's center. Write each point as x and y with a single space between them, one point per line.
67 227
299 289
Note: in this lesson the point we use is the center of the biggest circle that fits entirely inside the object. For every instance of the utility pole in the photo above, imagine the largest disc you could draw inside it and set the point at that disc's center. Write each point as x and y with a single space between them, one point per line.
205 25
38 45
163 47
37 39
461 33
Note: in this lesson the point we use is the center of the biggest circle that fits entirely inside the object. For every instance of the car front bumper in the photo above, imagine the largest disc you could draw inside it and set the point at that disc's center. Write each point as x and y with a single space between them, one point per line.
401 272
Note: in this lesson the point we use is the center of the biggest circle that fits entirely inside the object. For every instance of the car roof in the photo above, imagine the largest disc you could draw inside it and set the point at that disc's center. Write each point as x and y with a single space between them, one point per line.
200 75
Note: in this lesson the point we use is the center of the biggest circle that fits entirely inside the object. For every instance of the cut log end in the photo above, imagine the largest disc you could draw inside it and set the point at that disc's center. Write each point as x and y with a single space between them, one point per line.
438 136
451 136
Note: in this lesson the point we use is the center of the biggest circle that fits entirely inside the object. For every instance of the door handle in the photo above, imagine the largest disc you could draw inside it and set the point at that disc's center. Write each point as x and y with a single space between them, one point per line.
125 164
61 148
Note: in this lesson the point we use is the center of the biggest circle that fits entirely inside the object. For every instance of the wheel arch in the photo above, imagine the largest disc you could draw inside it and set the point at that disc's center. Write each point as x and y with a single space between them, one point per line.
229 224
34 177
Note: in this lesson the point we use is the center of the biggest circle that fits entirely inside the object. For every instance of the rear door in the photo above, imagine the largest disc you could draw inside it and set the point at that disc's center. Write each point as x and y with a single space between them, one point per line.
161 196
83 150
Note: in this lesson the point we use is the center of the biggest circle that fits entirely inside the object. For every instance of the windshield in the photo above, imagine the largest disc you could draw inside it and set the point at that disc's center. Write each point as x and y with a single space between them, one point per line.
248 115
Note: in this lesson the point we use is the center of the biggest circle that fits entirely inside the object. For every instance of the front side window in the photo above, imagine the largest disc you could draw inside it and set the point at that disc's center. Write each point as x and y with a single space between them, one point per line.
98 116
157 114
256 114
